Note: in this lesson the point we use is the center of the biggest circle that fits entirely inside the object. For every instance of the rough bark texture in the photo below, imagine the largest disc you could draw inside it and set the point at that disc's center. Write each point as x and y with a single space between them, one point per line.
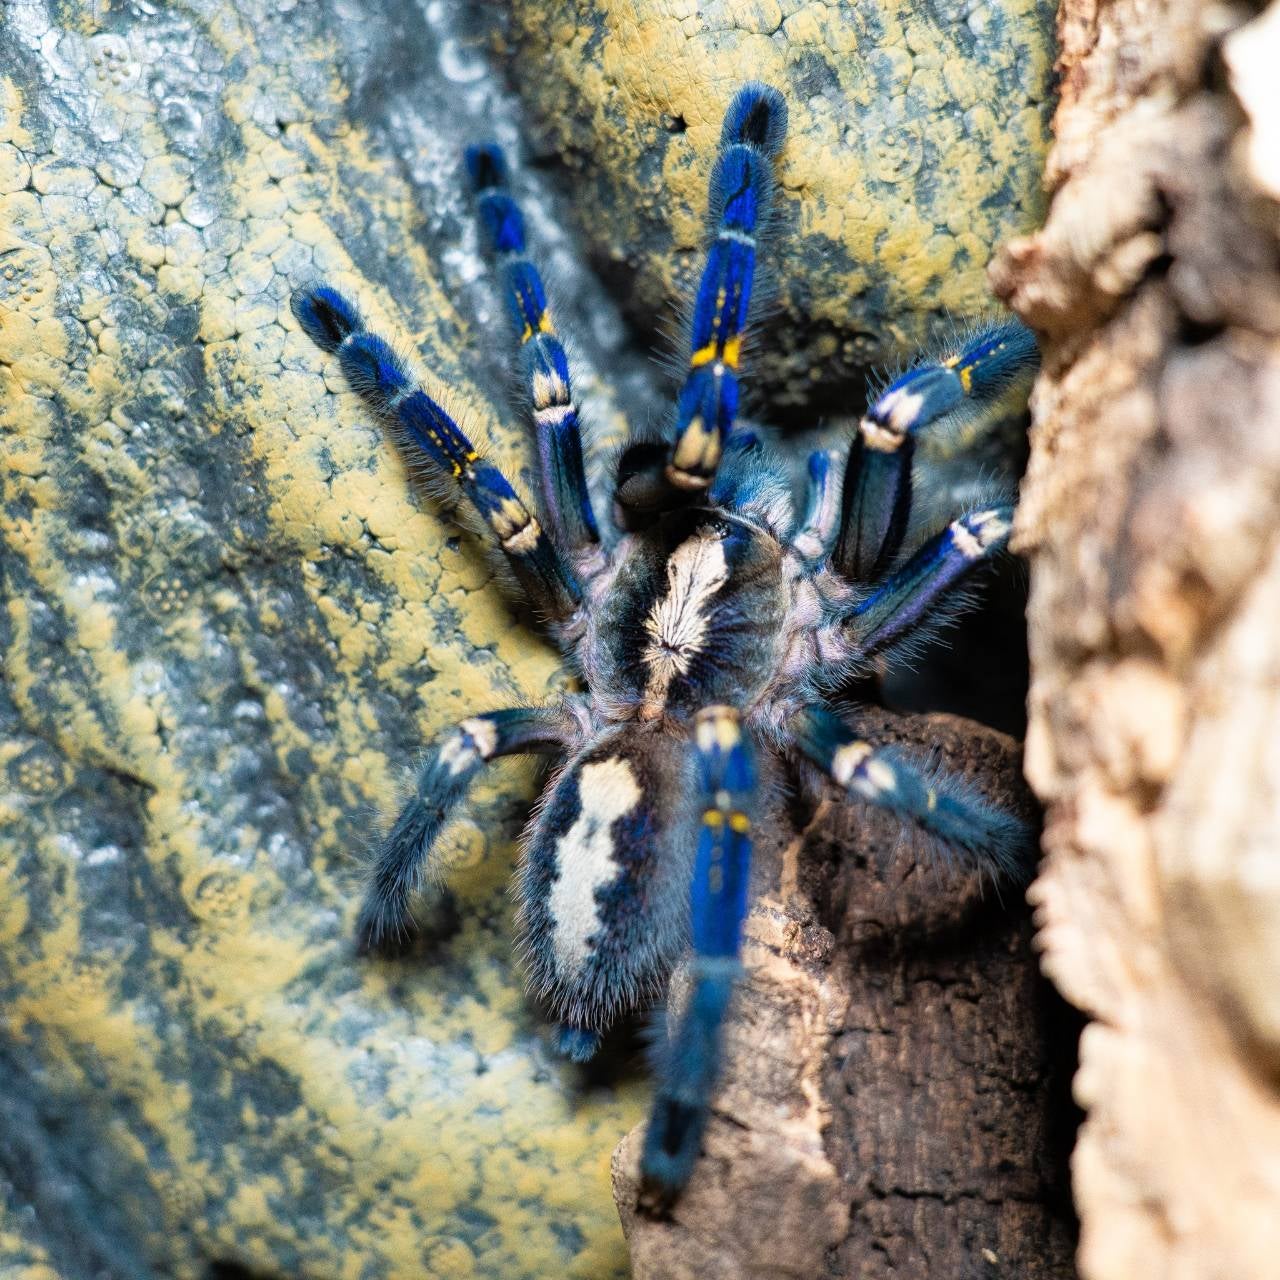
896 1101
1151 517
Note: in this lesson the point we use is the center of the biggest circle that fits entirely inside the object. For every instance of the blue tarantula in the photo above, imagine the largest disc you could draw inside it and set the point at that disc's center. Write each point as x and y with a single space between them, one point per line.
710 625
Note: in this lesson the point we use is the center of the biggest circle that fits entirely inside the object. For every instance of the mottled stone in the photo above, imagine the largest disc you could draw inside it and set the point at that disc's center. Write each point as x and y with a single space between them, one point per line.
916 144
228 624
229 620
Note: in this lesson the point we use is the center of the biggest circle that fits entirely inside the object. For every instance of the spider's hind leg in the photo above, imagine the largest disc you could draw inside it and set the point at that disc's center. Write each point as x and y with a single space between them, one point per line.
405 858
950 395
902 604
544 364
688 1063
981 835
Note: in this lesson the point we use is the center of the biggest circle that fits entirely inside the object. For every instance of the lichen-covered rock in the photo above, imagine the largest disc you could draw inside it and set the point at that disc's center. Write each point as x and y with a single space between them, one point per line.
916 145
227 624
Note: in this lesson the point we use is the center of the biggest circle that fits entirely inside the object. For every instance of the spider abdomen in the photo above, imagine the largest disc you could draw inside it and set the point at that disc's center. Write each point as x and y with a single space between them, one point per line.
603 885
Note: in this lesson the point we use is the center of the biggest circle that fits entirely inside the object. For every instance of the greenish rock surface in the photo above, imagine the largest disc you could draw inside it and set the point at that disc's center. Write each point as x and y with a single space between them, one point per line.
228 624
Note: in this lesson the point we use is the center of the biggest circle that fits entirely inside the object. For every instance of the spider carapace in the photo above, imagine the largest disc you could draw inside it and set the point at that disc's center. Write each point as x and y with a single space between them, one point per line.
710 620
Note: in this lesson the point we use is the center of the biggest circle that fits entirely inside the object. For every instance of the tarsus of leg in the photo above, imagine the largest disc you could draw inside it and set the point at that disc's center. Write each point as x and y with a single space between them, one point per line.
980 835
876 505
544 365
903 600
405 859
688 1063
384 382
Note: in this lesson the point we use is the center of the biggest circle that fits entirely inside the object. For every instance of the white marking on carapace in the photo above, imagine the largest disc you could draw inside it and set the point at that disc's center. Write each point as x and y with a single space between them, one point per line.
607 791
678 622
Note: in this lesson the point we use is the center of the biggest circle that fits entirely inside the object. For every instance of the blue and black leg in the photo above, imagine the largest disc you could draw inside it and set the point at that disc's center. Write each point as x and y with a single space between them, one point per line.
899 605
978 834
543 362
820 520
404 860
741 192
688 1062
973 380
385 384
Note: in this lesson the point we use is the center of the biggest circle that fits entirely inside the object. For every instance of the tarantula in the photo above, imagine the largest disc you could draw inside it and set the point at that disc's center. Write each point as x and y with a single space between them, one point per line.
710 627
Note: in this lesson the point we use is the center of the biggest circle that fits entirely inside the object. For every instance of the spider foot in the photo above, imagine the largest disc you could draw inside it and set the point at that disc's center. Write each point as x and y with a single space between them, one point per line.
671 1145
578 1044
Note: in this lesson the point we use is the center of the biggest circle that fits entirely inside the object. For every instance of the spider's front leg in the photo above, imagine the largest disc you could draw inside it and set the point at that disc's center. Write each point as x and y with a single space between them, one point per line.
383 380
404 859
543 363
653 480
688 1063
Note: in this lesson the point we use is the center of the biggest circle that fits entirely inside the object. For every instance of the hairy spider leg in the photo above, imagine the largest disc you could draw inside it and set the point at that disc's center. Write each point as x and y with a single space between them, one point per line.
988 839
818 525
741 191
902 602
543 363
688 1063
877 488
385 384
751 482
404 859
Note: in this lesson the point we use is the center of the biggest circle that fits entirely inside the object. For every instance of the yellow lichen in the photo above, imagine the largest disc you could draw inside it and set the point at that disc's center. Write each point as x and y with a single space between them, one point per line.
223 1002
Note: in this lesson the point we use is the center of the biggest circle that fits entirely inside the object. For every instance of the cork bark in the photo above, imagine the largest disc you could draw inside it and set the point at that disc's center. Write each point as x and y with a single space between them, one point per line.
896 1100
1150 516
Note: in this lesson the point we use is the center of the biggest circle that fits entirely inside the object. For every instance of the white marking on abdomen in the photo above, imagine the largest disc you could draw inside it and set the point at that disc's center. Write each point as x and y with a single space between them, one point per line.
607 791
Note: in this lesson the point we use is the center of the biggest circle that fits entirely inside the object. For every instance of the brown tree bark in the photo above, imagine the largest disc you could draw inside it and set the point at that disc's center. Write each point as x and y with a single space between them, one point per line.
895 1101
1150 517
